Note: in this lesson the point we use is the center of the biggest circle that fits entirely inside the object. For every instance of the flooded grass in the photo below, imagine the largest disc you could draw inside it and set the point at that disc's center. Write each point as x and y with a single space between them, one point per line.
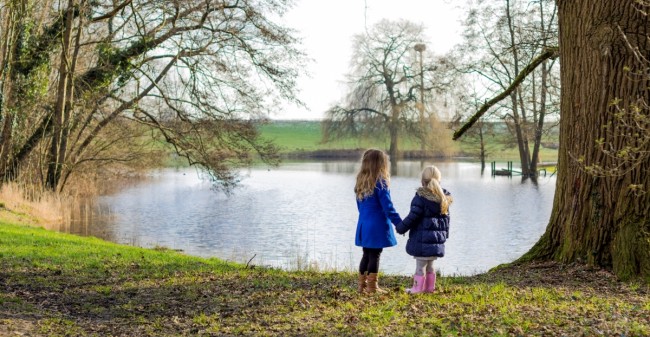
54 284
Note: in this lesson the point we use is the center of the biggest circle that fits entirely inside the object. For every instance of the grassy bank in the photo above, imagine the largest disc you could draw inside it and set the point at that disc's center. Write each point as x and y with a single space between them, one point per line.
54 284
296 138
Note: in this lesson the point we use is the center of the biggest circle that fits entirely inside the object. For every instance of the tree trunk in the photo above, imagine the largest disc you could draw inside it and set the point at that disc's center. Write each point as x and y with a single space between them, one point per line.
541 113
56 155
393 124
524 126
599 220
32 59
483 154
9 48
539 125
393 130
521 143
519 117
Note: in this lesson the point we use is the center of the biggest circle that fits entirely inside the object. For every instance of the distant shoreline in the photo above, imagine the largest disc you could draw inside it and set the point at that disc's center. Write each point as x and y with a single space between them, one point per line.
356 154
303 139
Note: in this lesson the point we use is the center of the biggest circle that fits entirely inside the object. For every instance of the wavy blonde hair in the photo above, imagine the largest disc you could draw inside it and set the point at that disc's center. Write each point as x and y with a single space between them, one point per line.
431 181
374 167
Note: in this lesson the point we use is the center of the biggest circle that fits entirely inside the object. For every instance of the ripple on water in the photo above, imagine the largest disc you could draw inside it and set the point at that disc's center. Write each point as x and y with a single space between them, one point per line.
305 213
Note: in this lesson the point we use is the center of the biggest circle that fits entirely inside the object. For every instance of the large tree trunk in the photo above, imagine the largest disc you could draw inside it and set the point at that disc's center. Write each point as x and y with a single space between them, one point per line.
600 220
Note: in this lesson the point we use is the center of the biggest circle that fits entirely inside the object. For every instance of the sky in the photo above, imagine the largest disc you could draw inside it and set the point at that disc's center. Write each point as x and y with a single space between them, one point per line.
327 28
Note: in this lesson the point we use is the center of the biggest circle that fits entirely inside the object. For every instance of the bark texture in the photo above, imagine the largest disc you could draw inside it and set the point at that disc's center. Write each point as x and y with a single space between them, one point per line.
601 219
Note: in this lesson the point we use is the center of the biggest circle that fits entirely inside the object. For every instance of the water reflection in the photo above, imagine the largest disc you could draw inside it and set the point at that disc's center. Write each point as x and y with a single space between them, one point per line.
304 213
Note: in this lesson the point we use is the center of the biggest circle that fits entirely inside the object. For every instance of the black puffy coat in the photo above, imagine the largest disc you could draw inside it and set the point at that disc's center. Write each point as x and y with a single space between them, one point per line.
428 229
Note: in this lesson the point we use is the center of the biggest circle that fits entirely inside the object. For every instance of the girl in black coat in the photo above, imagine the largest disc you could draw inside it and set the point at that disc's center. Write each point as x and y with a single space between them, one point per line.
428 223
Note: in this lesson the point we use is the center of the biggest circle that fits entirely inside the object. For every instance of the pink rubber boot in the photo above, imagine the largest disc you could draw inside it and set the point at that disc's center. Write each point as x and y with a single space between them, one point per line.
418 285
430 283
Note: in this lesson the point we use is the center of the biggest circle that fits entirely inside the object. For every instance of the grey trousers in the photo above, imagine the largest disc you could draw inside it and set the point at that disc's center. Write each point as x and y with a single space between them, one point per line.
422 264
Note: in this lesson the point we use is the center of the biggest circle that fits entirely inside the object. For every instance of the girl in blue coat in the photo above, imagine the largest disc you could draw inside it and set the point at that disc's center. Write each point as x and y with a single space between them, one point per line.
376 212
428 223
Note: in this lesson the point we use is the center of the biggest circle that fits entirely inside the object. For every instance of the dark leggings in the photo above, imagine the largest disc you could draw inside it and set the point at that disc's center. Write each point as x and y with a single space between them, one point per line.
370 260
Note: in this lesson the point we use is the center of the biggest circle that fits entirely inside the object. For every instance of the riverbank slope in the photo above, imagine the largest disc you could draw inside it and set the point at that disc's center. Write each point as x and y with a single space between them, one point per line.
54 284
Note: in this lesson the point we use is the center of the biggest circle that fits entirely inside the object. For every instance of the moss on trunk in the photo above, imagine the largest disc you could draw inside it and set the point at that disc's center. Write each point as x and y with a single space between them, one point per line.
601 209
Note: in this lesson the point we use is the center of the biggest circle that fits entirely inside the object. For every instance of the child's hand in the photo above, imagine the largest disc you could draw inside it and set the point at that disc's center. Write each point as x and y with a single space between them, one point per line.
400 228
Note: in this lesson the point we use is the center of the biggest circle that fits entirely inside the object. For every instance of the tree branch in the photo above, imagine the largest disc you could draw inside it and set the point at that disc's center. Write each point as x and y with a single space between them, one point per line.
125 106
111 13
550 53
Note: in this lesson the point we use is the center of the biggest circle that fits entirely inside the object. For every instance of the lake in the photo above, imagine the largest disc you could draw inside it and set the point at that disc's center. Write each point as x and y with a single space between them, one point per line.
303 214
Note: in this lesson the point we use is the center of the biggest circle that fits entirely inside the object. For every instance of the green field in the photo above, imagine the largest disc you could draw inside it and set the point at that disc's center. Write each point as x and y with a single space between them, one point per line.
306 136
54 284
299 136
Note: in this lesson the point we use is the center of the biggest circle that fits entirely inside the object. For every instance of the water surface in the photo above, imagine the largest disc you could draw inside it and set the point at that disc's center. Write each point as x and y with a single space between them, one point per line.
304 214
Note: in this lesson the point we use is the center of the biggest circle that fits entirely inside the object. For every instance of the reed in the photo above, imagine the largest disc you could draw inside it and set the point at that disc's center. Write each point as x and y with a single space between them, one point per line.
36 206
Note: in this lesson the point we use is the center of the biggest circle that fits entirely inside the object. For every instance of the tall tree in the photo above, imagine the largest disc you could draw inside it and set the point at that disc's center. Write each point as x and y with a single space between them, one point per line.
198 74
24 65
384 84
602 219
62 107
601 210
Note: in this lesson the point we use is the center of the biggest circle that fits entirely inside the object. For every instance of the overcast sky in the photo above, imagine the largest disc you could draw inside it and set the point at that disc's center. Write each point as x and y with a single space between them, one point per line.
327 28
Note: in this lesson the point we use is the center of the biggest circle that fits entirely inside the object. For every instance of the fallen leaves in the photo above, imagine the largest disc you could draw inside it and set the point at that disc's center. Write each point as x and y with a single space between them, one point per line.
131 292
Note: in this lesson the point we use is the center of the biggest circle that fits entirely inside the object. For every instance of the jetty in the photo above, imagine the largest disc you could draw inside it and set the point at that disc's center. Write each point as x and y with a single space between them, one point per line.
542 169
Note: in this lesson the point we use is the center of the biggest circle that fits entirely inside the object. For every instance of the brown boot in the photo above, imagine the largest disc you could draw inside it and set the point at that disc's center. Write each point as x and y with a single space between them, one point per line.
362 282
372 284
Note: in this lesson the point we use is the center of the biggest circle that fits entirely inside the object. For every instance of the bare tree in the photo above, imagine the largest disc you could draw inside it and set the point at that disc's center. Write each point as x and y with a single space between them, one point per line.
198 73
501 37
384 83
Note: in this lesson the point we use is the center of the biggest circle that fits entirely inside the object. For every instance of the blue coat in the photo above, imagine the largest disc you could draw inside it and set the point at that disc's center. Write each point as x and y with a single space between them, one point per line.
376 212
428 229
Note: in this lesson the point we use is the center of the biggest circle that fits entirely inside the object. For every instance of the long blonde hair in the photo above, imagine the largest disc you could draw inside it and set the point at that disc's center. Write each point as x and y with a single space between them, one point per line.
374 167
431 181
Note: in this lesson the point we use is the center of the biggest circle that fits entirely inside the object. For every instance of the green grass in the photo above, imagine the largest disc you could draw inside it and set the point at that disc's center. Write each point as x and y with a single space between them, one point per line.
54 284
299 136
306 136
